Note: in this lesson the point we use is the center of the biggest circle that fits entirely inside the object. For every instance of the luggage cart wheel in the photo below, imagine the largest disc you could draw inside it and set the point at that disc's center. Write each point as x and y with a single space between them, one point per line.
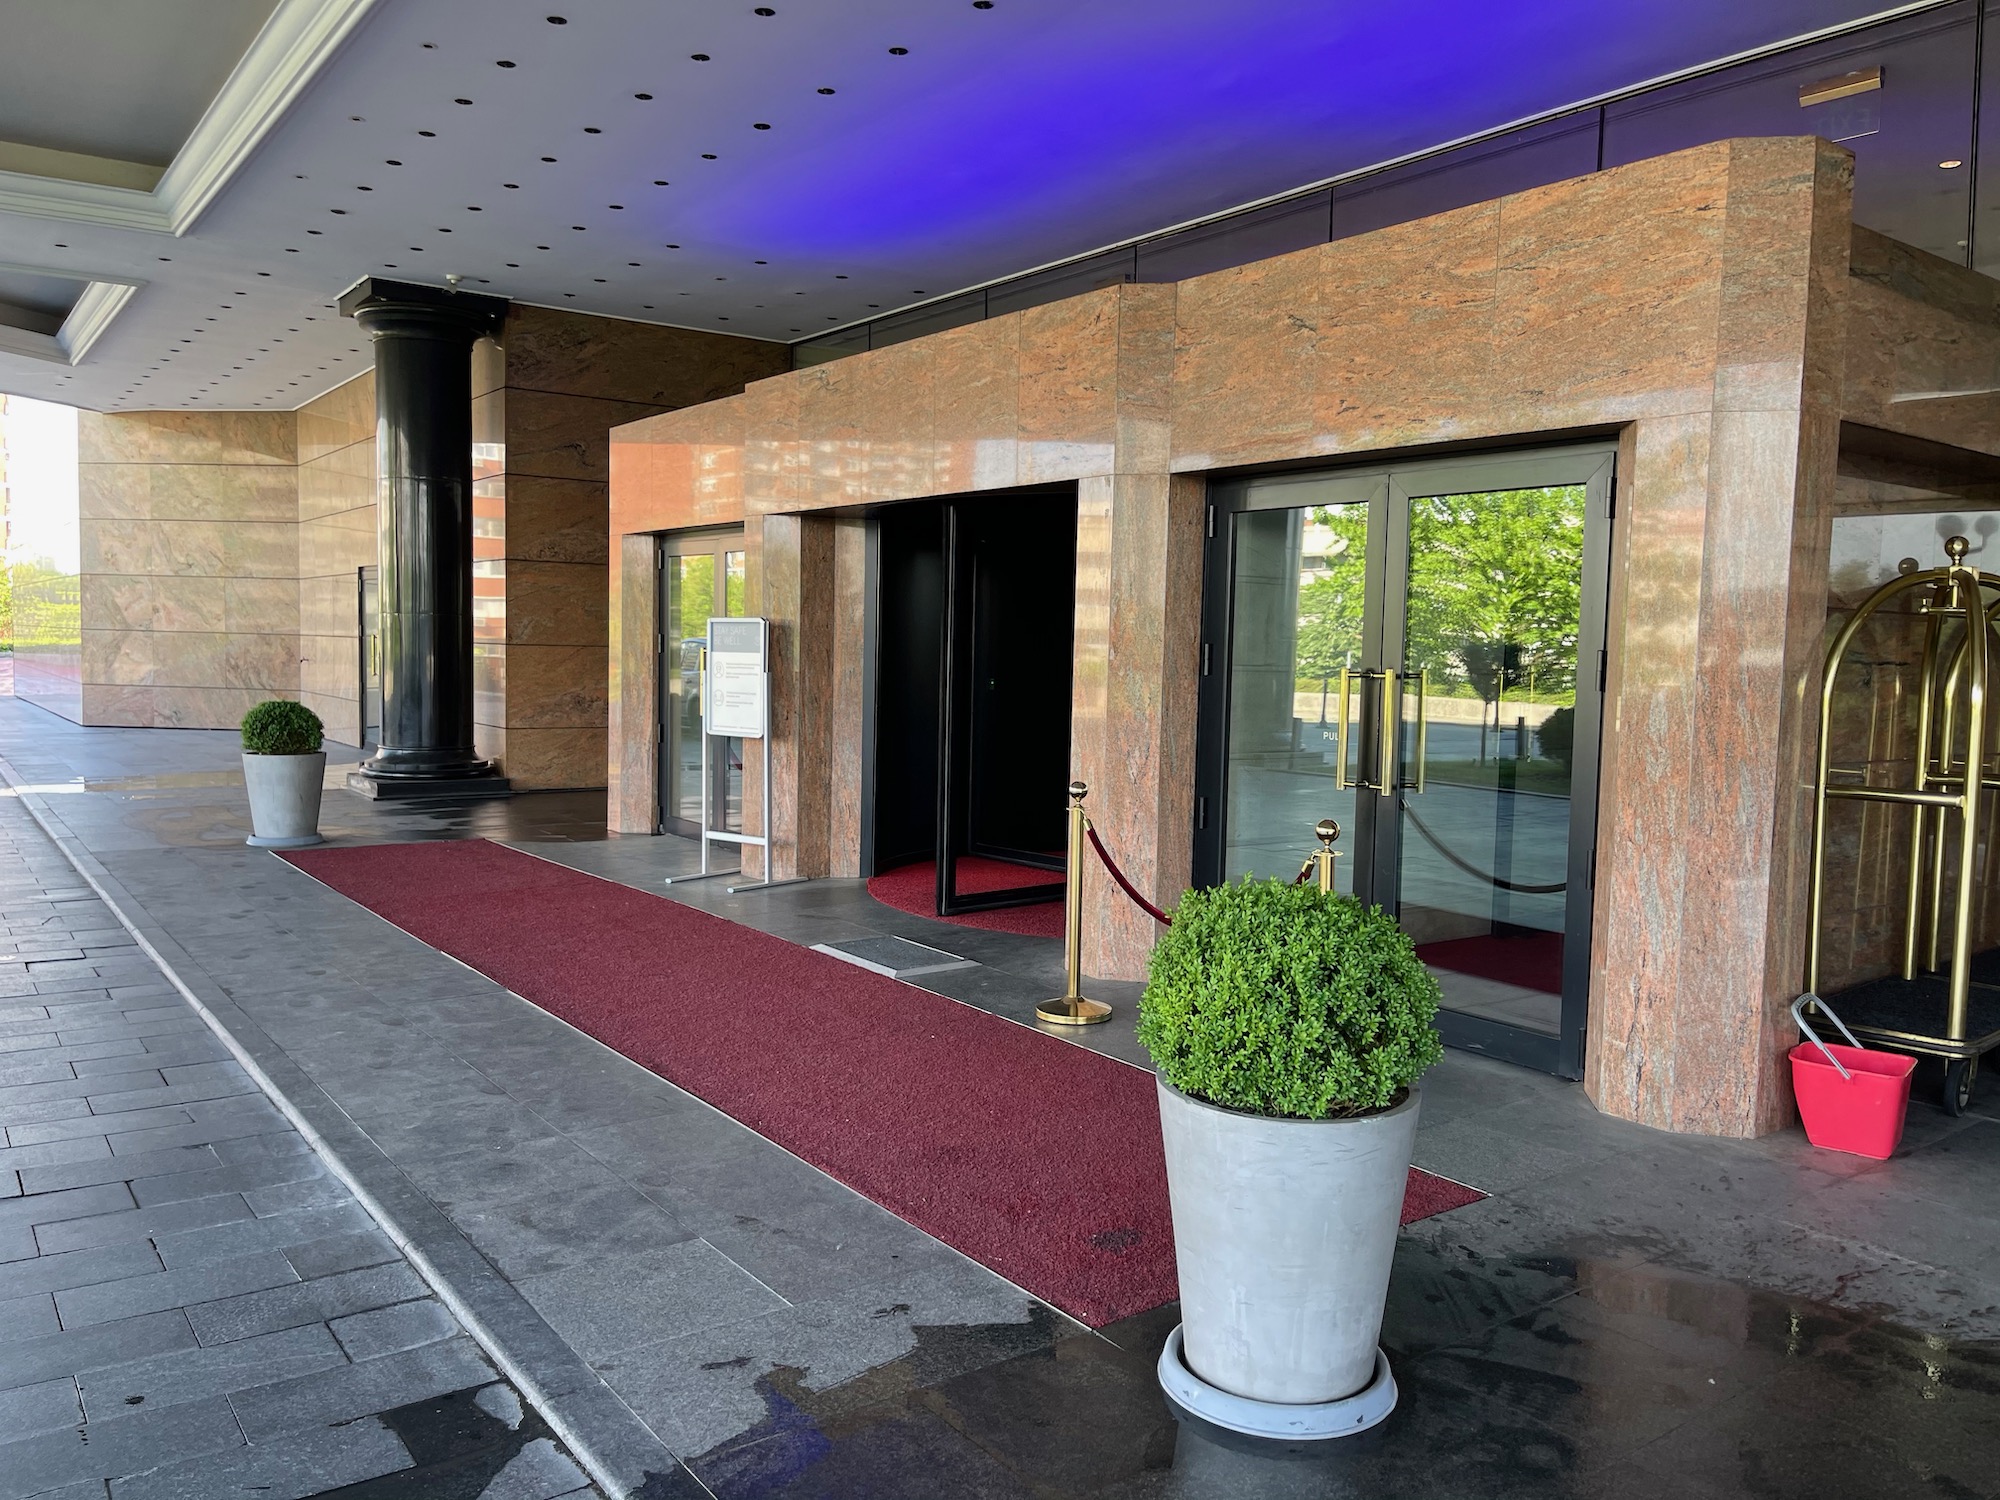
1961 1075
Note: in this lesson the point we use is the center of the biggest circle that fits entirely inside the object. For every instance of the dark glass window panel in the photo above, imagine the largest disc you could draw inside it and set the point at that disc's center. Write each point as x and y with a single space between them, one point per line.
830 346
1079 276
918 321
1921 116
1276 229
1530 157
1986 226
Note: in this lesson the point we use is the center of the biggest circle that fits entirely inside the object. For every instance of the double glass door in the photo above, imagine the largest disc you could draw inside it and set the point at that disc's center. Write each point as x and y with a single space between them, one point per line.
1417 653
701 576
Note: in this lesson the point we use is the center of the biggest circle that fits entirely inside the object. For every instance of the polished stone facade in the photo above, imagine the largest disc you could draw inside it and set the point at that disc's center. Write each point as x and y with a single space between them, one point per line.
1700 306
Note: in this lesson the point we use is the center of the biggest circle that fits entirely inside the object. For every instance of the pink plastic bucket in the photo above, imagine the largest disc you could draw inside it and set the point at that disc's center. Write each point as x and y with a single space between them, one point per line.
1862 1113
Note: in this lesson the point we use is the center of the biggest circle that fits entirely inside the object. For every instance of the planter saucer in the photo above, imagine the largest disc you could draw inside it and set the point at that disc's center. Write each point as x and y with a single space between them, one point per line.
1276 1419
305 843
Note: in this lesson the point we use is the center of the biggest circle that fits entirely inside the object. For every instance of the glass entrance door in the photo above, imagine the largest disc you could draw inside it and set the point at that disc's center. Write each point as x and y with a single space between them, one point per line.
1416 654
701 575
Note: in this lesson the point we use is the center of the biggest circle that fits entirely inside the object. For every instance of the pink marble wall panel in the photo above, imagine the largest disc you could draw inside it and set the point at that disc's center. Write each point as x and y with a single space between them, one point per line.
1699 303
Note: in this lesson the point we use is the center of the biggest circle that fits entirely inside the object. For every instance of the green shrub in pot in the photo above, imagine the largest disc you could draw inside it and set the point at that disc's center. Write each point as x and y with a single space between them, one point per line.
280 727
1290 1029
1276 999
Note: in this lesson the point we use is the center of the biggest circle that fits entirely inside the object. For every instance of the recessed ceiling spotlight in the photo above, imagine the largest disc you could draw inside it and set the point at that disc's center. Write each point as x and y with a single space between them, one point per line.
569 294
471 208
337 211
432 134
514 185
619 206
899 51
982 4
355 118
577 227
558 20
761 263
444 231
631 263
826 91
548 158
166 257
513 265
708 156
592 130
673 247
1953 162
503 63
392 163
461 101
363 188
698 57
660 182
309 231
541 247
760 125
601 281
763 10
642 96
840 276
647 306
263 273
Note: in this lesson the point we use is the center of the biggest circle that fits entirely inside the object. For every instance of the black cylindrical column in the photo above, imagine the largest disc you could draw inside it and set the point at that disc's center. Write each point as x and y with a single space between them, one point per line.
423 341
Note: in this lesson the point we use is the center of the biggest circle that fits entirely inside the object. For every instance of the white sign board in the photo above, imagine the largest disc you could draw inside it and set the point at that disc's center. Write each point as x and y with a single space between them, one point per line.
733 704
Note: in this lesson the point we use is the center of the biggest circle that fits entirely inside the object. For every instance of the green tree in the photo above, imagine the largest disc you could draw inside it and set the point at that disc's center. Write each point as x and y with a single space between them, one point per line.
1495 589
1330 607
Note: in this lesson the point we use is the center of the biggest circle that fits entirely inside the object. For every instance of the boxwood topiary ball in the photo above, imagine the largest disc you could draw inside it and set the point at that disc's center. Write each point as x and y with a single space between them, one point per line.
279 727
1275 999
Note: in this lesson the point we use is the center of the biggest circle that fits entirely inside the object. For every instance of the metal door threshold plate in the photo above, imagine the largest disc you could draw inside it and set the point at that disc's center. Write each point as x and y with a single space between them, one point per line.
899 958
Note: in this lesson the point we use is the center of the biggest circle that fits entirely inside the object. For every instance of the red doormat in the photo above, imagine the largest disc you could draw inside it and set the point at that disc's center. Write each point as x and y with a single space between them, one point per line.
913 889
1034 1156
1534 961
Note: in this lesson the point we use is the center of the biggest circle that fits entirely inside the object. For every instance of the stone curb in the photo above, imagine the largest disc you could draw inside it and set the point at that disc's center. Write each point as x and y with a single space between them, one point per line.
621 1454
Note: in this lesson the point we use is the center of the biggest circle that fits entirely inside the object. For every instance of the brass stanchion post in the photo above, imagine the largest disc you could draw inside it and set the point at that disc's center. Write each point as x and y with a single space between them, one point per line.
1321 859
1070 1008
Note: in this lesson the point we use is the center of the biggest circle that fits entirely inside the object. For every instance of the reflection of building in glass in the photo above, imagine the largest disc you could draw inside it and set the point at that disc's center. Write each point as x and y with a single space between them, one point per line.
38 484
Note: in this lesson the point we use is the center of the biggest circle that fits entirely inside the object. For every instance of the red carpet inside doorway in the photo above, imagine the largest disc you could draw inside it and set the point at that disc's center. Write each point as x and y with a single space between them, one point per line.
913 889
959 1122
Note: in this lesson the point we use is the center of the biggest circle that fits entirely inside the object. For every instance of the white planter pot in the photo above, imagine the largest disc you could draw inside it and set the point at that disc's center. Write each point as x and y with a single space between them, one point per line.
1284 1230
284 799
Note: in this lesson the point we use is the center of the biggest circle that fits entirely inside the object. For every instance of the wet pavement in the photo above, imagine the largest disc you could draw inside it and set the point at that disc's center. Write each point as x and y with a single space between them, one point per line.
1630 1313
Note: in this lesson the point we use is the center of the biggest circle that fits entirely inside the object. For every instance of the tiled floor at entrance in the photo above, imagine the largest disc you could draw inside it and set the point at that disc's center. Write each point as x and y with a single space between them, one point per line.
1630 1314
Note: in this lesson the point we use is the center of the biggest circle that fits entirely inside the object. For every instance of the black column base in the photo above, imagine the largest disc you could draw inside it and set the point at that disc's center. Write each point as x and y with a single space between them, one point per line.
428 788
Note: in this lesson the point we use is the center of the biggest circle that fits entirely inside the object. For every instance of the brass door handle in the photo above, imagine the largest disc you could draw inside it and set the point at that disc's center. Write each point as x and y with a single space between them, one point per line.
1385 737
1423 725
1340 781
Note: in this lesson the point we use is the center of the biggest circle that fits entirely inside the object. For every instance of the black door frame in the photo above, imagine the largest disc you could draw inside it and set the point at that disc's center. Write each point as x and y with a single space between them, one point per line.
1387 491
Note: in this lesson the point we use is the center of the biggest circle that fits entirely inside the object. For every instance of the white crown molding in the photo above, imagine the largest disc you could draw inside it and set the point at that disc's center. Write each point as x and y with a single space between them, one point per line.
299 40
295 44
100 303
103 298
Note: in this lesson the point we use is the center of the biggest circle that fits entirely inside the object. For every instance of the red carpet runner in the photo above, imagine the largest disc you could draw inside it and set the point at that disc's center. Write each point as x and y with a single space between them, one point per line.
1031 1155
913 889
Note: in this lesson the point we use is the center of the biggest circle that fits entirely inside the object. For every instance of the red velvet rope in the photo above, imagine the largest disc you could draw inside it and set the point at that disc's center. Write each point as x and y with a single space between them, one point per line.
1123 884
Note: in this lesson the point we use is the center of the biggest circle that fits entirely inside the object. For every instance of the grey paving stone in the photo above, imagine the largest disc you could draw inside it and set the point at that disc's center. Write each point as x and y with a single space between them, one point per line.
164 1289
273 1145
349 1252
349 1391
16 1069
78 1268
119 1445
44 1407
315 1301
291 1467
109 1051
89 1124
54 1153
540 1471
73 1203
28 1317
103 1101
140 1223
19 1094
287 1196
258 1120
236 1177
176 1161
194 1047
242 1235
390 1330
629 1300
192 1374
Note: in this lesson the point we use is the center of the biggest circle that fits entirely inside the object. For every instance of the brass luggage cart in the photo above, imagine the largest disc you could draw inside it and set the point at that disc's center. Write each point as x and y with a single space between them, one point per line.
1952 1013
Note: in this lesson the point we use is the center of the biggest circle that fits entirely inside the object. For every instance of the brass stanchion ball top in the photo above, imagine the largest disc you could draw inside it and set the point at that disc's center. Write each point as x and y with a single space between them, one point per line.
1956 547
1077 791
1326 830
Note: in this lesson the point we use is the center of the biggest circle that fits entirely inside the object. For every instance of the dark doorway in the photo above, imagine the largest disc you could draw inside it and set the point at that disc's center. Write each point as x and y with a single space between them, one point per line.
975 619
